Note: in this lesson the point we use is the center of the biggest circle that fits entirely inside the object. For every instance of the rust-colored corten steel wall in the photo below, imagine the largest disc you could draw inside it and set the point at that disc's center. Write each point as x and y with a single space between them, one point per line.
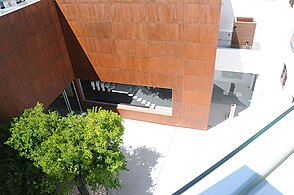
34 62
162 43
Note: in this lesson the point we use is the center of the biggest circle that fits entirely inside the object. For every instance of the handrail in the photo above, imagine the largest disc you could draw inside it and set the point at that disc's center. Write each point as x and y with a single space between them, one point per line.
258 180
233 153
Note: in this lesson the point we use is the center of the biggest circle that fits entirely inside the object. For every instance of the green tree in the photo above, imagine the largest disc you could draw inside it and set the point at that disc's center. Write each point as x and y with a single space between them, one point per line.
18 175
72 150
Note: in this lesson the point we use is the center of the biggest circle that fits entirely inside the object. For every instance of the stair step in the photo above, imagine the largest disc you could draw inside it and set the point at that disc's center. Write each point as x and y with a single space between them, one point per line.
164 108
133 90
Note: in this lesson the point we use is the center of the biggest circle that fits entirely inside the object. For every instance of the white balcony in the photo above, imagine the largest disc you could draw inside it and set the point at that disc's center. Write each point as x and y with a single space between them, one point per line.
271 44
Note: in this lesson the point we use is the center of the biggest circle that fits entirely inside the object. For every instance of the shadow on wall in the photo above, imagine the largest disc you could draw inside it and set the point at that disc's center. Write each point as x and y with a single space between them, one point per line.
138 180
81 64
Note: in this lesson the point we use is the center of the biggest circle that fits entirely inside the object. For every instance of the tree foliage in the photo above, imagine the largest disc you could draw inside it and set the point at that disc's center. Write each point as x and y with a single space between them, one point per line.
18 175
72 150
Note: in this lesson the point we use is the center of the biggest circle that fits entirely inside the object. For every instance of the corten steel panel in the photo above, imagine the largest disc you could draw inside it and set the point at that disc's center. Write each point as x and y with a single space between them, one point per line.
34 61
167 43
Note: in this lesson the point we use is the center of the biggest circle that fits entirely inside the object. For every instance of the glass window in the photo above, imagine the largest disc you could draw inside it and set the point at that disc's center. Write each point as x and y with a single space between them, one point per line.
126 94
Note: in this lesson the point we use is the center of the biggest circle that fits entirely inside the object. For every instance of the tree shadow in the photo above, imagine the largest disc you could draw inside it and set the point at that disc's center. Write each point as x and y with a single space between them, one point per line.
138 180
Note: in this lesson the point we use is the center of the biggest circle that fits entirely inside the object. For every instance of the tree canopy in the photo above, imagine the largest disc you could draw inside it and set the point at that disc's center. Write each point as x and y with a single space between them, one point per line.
72 150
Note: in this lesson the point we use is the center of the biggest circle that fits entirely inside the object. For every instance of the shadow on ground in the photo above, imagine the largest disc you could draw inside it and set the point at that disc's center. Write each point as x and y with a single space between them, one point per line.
138 180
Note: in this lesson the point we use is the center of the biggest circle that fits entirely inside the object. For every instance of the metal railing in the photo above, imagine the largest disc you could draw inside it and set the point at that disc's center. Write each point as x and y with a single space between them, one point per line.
233 153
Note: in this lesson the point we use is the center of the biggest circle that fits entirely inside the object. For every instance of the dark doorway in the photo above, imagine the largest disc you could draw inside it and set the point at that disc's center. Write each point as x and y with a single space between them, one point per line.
67 101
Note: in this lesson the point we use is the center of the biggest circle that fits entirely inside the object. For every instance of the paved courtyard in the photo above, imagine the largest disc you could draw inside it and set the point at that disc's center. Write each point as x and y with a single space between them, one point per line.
161 159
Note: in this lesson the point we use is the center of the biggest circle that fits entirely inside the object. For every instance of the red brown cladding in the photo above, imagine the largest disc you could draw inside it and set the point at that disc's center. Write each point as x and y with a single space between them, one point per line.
166 43
34 61
162 43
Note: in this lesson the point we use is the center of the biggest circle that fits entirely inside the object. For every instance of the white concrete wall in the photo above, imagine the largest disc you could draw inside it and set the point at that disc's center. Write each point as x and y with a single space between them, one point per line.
227 16
226 24
246 78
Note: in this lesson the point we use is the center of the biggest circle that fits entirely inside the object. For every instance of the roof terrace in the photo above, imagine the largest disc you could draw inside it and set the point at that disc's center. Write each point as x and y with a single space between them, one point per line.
8 6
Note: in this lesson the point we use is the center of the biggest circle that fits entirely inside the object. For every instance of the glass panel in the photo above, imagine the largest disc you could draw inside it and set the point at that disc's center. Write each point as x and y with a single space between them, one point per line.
72 98
60 103
251 162
133 95
263 166
232 94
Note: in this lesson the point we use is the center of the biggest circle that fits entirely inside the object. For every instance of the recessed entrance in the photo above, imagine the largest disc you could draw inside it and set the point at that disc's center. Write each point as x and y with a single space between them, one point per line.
232 93
67 101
